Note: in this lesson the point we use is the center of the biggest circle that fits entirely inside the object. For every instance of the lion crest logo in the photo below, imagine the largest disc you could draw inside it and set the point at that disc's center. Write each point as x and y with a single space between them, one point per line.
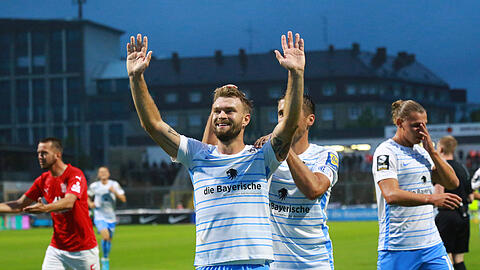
232 173
282 193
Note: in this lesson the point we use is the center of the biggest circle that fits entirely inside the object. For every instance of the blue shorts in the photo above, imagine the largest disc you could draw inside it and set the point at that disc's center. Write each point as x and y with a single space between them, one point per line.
102 224
432 258
236 267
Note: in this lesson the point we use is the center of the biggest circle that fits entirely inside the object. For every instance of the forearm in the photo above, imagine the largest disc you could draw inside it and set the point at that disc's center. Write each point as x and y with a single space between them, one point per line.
60 205
406 198
10 207
146 109
121 197
208 135
305 180
293 100
445 175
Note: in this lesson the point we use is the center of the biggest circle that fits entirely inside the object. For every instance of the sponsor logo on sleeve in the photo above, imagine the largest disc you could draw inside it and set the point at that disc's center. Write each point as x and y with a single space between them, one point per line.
332 161
383 163
76 187
327 171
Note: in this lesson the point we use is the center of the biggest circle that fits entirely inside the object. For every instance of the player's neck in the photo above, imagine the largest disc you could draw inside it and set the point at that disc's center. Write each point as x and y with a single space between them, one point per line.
402 140
301 145
231 147
58 168
104 181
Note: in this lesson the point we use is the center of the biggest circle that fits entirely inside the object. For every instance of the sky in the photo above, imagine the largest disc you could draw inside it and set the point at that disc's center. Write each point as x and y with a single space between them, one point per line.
444 35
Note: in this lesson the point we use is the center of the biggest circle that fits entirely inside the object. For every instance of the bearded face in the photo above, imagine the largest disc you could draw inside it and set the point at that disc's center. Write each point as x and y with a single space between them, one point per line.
228 118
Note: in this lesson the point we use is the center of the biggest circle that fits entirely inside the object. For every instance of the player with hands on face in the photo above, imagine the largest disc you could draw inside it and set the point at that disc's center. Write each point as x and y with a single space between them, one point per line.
404 173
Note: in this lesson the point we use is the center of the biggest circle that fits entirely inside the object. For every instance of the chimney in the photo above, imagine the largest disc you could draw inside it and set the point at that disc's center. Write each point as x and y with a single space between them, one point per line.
379 58
176 62
331 49
242 59
218 57
355 49
400 61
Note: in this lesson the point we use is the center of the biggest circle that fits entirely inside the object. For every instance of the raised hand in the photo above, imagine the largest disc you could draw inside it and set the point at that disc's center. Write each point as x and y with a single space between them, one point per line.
261 141
426 140
137 57
293 57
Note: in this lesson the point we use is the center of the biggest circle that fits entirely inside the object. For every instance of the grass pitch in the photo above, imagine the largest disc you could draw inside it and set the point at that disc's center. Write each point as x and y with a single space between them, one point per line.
161 247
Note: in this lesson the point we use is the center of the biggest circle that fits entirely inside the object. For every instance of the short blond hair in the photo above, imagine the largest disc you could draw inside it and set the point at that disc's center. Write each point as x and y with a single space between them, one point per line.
401 109
232 91
448 143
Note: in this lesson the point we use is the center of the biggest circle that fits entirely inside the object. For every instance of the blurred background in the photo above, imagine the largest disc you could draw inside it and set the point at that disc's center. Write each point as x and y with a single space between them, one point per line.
62 74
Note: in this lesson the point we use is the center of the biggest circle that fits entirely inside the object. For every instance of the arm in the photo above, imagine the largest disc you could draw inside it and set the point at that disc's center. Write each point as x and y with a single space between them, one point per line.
137 61
396 196
294 61
119 196
476 195
312 185
15 206
91 204
442 172
63 204
208 135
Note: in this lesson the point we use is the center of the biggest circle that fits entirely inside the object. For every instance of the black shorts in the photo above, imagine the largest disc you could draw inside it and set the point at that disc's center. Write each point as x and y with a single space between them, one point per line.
454 229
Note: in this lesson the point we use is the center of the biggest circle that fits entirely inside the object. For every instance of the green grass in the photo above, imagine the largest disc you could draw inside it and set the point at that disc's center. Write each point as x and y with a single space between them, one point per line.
172 247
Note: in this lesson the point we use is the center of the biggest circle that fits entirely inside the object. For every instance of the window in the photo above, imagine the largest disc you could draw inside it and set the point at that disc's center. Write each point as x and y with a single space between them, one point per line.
372 90
115 132
56 49
22 100
38 134
408 92
5 106
104 86
329 89
5 136
364 89
122 85
194 120
75 95
327 114
420 94
74 50
96 143
431 95
56 99
5 60
354 112
195 97
274 92
21 53
58 132
351 90
171 97
23 136
171 120
38 52
39 107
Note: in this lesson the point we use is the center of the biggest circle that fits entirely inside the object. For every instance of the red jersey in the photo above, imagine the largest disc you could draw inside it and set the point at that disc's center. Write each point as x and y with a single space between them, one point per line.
72 229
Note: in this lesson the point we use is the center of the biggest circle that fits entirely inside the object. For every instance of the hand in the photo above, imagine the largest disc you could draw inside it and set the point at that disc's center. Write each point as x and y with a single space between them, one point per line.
112 190
37 208
293 57
426 140
137 58
260 142
446 200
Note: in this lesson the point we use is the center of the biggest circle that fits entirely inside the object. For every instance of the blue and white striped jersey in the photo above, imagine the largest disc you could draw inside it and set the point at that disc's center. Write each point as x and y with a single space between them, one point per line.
300 232
104 199
400 227
231 202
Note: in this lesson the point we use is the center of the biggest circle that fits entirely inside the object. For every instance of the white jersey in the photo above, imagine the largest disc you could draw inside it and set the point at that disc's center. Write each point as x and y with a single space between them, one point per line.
104 199
231 202
300 231
400 227
476 180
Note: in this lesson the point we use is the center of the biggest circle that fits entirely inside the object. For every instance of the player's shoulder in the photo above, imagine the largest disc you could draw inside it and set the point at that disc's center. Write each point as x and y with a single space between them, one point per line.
74 172
319 150
113 182
386 147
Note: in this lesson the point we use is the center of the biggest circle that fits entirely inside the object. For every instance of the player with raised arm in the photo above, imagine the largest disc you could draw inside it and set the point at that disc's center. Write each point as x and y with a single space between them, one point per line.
64 188
403 172
229 179
105 193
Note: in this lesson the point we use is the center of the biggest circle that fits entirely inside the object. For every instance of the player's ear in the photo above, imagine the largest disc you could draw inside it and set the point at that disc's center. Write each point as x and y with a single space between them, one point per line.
246 120
399 122
311 119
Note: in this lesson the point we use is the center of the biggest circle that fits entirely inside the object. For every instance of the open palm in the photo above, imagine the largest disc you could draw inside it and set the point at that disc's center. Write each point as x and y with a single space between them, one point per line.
293 57
137 57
